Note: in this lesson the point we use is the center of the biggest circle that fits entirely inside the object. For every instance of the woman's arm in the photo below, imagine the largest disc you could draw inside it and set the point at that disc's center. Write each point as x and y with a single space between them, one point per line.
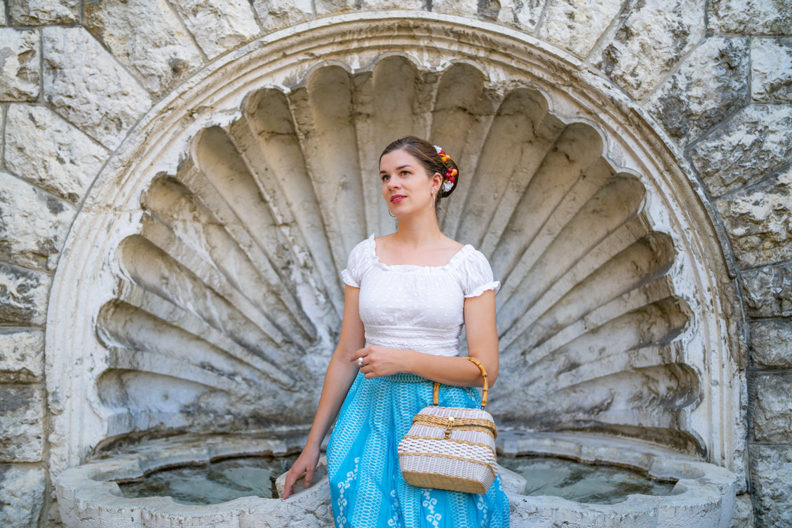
482 338
340 374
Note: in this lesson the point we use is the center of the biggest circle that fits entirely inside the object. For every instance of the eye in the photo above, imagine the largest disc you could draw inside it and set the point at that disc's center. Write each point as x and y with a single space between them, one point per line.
384 177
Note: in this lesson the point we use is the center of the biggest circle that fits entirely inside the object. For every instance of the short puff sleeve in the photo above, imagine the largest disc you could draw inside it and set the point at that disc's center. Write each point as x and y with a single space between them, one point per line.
477 275
357 263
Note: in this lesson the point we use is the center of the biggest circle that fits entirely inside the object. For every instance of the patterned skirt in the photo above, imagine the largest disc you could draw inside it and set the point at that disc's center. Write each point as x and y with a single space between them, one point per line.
367 489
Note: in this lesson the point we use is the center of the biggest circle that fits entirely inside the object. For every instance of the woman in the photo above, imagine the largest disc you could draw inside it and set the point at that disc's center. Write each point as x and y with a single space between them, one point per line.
407 296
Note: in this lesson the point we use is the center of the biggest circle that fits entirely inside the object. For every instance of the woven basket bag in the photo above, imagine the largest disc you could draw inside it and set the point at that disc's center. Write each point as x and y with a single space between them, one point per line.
451 448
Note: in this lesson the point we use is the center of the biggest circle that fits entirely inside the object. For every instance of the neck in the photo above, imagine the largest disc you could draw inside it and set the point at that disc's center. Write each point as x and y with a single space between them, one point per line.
419 229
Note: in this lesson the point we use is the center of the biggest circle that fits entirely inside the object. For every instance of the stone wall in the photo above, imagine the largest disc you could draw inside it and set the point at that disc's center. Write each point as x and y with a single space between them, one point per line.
75 78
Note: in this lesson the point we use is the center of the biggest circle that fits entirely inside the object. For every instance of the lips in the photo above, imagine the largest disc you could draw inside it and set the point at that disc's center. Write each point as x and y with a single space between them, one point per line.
396 198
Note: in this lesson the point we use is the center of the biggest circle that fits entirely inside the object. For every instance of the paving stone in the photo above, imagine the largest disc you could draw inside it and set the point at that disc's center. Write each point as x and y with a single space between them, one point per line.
750 17
21 423
42 12
752 143
22 489
650 42
46 150
710 83
85 84
770 407
767 290
20 65
218 26
21 355
770 477
576 26
771 70
161 52
771 343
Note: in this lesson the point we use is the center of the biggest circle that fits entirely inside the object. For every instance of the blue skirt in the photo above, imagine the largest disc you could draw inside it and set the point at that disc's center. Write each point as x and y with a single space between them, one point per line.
367 489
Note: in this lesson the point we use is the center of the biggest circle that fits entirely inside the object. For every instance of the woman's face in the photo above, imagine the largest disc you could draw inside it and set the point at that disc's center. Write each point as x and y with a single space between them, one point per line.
406 185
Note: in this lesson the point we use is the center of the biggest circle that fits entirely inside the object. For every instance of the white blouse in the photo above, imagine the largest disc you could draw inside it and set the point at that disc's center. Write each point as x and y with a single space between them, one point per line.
413 306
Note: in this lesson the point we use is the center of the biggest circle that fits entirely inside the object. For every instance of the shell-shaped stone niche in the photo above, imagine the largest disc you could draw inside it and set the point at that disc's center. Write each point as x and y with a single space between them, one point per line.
229 299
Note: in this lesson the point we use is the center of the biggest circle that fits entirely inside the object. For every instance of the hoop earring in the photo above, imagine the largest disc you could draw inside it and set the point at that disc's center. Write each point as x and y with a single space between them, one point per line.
392 215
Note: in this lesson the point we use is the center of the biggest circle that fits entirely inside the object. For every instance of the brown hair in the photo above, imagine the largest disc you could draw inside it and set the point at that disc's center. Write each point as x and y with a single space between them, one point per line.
427 155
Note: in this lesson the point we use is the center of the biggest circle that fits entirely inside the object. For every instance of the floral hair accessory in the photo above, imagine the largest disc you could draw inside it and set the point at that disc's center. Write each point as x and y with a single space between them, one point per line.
450 174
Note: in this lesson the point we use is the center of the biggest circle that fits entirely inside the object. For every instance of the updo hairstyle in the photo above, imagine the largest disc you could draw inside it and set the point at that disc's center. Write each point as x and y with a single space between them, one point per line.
427 155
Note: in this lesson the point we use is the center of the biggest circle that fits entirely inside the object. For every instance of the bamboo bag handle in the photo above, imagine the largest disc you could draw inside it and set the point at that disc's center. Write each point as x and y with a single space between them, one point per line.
436 391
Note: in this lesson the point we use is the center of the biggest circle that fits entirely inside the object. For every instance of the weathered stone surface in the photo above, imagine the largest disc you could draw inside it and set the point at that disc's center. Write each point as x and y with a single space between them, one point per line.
40 12
85 84
650 42
455 7
2 13
752 143
218 26
21 495
274 15
392 4
21 423
33 224
743 512
20 67
161 52
768 290
770 477
22 356
750 17
759 221
23 295
324 7
771 70
523 15
710 84
43 148
771 343
576 26
772 401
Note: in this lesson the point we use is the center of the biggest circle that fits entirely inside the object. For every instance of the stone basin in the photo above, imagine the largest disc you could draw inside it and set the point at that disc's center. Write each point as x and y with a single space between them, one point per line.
89 496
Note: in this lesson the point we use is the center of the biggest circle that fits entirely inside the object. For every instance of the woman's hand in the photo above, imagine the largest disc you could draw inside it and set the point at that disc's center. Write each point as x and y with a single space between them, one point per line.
305 463
376 361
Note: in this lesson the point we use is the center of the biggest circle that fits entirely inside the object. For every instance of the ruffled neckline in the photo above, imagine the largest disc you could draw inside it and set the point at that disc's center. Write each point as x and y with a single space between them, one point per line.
405 267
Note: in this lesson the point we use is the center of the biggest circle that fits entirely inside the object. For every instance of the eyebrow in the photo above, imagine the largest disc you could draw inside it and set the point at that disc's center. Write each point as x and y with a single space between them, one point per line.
397 168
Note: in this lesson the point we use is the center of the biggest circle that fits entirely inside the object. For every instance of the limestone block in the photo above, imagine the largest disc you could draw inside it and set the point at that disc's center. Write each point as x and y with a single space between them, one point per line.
21 423
743 512
22 356
161 52
20 70
750 17
523 15
771 70
768 290
21 494
2 13
771 404
456 7
650 42
41 12
23 295
770 476
576 26
393 4
46 150
274 14
771 343
753 142
33 224
86 85
326 7
759 221
710 84
218 26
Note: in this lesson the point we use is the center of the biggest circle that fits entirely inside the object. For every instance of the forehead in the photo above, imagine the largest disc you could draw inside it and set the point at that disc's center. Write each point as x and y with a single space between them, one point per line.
397 158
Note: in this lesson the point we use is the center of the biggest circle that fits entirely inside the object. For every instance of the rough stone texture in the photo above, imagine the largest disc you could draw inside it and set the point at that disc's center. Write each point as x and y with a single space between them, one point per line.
325 7
23 295
650 42
771 343
274 15
576 26
46 150
162 51
743 512
767 290
218 26
21 495
771 70
750 17
523 15
21 423
85 84
455 7
2 13
41 12
33 224
710 84
392 4
21 355
752 143
771 404
770 478
20 68
759 221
